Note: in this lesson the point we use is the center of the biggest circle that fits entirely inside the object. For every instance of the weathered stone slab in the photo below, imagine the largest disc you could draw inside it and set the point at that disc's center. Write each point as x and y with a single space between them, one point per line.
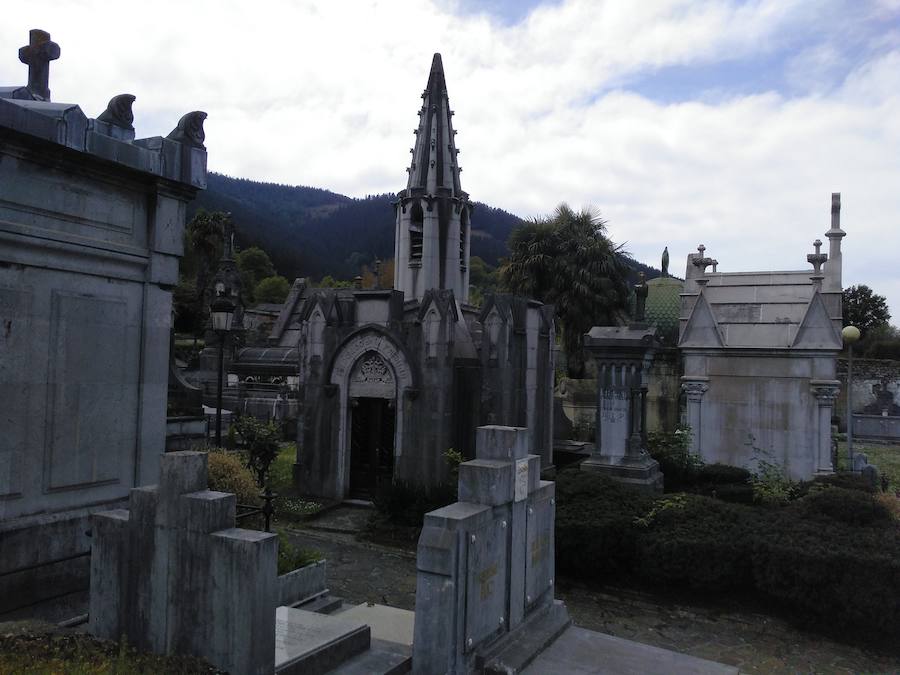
306 642
391 624
486 582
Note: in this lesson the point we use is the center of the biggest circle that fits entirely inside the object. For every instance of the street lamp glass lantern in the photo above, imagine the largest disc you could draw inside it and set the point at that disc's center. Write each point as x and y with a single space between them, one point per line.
221 312
850 334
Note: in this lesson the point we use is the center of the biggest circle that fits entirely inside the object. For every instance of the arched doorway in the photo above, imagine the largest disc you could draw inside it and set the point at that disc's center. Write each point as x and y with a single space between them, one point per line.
372 376
373 421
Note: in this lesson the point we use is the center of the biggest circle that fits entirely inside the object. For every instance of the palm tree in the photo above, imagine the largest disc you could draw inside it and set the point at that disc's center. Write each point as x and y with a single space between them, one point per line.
567 260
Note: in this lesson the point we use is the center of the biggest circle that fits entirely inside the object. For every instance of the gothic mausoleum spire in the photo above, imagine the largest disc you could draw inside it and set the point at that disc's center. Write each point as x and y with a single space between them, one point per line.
431 244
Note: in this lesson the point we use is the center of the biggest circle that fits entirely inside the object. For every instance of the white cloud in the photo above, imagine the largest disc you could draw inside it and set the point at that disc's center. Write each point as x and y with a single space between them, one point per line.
326 93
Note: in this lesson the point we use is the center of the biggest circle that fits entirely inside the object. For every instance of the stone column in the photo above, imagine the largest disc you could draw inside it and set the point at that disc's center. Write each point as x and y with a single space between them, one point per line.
694 388
826 392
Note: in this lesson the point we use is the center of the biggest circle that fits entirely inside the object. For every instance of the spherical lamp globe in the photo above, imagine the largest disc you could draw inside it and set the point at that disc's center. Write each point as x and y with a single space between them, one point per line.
850 334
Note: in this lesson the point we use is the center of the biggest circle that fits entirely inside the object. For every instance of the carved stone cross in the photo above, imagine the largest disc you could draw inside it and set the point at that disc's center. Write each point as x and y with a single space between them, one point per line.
37 55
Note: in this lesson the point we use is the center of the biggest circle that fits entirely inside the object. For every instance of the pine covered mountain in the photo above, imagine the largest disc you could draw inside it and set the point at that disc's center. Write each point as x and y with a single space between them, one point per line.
310 232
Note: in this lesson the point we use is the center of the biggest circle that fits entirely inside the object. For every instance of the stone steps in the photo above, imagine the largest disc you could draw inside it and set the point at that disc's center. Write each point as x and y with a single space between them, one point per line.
528 640
382 658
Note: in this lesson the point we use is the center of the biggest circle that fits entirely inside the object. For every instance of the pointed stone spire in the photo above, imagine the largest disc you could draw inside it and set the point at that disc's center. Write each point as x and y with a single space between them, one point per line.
432 238
434 168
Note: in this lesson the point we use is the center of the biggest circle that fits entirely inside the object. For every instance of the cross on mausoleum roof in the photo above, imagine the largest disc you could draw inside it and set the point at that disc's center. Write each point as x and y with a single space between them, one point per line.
37 55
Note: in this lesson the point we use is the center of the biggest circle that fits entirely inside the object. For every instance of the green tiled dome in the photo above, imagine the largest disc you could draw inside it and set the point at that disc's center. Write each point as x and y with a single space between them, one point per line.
663 306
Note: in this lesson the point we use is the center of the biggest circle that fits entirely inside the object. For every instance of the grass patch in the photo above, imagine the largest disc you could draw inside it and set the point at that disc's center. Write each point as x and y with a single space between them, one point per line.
281 471
35 652
885 457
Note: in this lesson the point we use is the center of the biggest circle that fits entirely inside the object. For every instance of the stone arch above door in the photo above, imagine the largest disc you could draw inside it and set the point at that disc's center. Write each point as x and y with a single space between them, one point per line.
347 359
372 377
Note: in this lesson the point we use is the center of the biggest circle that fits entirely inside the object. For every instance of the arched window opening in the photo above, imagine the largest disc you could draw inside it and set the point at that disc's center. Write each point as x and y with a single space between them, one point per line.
416 229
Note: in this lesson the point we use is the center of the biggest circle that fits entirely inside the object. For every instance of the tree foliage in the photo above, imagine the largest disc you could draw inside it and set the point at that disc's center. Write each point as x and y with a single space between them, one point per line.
255 263
272 289
203 241
309 232
567 260
865 309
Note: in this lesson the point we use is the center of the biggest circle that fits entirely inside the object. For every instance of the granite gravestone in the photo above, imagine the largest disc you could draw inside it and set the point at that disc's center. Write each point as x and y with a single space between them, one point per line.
91 225
173 575
484 590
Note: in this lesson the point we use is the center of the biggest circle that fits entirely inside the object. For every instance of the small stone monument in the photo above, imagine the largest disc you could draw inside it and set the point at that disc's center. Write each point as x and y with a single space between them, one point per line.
173 575
484 591
624 355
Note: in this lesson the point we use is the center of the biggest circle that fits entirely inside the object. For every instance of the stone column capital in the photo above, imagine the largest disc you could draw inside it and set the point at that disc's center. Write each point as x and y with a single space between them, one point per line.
825 391
694 388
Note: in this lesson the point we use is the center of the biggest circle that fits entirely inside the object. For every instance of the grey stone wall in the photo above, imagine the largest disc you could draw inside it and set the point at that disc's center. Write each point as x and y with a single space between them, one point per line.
91 226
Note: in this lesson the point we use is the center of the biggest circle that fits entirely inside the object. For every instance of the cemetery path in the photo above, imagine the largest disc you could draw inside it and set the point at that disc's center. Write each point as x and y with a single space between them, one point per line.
361 571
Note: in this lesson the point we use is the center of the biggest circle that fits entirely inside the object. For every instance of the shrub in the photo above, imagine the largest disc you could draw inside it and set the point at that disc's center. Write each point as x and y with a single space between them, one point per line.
291 558
701 542
771 484
853 507
406 503
890 503
840 575
227 473
261 440
596 533
723 474
672 451
832 557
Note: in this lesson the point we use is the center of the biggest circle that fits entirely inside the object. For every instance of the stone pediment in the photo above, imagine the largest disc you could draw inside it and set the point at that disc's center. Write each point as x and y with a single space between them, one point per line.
441 299
327 300
816 330
702 329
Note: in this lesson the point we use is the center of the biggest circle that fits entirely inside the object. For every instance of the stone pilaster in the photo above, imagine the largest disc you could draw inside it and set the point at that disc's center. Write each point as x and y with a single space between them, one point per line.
826 392
694 389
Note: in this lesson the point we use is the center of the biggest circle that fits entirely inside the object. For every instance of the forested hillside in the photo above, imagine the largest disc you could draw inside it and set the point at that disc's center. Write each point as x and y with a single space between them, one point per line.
310 232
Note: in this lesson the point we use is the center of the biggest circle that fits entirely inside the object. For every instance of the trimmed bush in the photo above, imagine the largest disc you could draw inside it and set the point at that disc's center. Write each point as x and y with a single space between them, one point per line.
835 576
723 474
227 473
595 524
701 542
831 558
852 507
405 503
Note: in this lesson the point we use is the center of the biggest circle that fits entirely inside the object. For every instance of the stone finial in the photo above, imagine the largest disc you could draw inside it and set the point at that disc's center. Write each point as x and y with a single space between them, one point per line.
190 130
817 259
701 261
37 55
665 262
118 112
377 273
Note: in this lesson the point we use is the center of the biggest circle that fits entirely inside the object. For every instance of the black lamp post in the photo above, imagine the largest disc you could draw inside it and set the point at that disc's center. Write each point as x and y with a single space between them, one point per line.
221 312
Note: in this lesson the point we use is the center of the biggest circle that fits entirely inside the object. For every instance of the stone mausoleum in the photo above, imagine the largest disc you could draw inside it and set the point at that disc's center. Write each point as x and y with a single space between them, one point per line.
759 354
391 379
91 225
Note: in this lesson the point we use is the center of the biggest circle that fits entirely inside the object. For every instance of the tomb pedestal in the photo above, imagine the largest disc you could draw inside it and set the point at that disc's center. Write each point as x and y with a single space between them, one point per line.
623 356
484 590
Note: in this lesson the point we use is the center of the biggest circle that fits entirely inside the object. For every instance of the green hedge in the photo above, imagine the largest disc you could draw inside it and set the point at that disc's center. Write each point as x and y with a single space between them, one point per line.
831 556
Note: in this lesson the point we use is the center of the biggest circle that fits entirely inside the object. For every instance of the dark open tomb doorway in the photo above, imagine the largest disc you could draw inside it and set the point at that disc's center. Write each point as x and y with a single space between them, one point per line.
372 425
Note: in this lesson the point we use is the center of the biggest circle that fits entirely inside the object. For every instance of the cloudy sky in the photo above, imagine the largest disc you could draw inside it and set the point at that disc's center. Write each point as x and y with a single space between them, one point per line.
719 122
